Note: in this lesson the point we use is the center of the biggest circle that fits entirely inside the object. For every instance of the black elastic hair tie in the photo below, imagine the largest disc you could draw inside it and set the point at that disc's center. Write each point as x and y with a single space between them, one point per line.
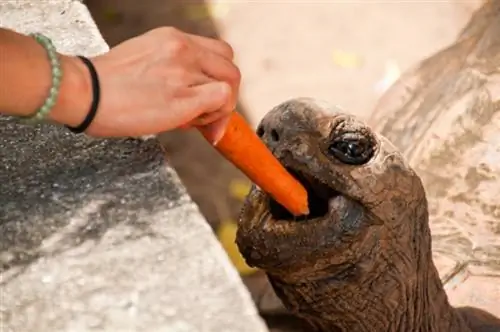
96 96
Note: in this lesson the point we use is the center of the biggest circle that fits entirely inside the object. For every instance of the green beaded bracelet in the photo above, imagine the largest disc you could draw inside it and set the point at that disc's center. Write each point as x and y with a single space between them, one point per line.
41 114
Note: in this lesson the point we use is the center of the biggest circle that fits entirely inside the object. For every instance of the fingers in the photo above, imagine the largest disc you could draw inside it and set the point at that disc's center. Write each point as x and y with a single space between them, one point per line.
216 62
215 130
207 118
217 46
202 99
209 99
222 69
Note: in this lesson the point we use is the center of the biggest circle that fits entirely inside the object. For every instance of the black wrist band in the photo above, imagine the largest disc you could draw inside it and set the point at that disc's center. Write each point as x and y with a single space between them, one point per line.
96 96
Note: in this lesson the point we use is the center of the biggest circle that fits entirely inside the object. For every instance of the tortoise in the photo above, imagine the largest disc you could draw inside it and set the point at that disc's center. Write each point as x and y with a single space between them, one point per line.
427 162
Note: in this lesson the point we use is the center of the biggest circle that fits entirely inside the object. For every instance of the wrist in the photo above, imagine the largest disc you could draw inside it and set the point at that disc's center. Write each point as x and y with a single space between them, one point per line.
75 93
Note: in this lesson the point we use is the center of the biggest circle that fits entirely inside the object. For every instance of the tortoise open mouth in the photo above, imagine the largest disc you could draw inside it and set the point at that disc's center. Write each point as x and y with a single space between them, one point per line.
319 196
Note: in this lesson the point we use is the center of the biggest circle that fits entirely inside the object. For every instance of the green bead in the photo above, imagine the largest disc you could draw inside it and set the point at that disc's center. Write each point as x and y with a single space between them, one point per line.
56 72
53 90
50 103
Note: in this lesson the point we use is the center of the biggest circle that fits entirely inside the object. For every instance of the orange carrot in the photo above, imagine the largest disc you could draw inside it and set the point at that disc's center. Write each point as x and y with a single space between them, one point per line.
241 146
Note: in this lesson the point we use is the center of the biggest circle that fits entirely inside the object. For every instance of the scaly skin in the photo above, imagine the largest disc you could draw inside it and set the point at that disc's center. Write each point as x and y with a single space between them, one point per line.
444 117
362 260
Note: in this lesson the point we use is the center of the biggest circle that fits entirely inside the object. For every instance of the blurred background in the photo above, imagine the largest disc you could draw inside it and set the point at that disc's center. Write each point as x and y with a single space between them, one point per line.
344 52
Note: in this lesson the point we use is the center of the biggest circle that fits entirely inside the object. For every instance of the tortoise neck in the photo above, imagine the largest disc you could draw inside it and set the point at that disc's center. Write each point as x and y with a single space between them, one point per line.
401 293
428 306
421 303
432 308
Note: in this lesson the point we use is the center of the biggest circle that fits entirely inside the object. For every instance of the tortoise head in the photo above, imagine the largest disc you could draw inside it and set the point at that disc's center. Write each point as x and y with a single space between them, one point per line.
366 204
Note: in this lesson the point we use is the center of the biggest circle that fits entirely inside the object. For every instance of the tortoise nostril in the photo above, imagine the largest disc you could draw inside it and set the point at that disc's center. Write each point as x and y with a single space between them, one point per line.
274 135
260 131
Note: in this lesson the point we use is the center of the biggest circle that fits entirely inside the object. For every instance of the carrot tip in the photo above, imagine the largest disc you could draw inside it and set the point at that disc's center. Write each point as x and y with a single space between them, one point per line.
303 212
238 143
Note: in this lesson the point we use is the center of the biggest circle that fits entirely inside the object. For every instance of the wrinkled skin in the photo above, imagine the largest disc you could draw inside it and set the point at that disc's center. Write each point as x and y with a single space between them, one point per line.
444 116
362 260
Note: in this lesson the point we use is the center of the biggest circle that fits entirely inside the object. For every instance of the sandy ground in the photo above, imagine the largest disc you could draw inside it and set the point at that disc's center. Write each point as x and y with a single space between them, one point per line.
338 51
345 52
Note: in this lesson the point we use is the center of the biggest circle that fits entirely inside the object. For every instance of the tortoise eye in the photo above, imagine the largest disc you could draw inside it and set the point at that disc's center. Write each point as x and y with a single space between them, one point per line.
352 151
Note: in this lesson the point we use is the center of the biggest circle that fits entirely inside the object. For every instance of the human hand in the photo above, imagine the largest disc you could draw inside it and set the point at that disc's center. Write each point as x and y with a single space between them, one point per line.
161 80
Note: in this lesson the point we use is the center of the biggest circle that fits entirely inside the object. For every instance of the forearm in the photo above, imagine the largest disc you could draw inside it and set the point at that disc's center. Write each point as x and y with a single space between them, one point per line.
25 80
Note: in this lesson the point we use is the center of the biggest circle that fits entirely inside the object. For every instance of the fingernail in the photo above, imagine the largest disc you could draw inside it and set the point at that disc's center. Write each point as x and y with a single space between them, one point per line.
219 136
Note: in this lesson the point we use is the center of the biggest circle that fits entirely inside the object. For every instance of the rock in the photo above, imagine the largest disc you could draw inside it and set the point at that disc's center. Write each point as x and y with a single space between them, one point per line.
100 235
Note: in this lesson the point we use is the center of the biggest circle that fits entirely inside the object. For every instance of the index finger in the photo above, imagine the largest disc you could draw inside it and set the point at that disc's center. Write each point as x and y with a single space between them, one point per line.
218 46
220 69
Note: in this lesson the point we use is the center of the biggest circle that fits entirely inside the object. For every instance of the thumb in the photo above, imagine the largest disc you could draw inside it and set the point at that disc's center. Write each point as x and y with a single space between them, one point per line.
215 131
206 98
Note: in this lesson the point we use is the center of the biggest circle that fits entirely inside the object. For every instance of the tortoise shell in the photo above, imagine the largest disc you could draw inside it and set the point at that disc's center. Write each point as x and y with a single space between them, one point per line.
444 115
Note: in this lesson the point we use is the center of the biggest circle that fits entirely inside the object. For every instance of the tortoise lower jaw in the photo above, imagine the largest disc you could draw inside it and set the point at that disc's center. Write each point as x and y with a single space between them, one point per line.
319 196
